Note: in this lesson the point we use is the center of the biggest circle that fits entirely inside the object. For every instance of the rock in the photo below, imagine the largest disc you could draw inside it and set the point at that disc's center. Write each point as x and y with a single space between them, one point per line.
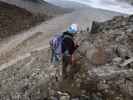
84 47
94 27
64 96
99 57
90 52
88 30
126 62
85 97
53 98
117 60
129 30
76 98
122 52
130 19
103 86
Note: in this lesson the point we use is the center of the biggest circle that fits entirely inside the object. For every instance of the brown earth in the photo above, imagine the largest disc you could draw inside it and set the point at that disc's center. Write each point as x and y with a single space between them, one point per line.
14 19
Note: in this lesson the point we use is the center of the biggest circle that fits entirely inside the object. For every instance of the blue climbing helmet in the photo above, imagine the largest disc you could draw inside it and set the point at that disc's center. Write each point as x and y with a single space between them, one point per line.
73 29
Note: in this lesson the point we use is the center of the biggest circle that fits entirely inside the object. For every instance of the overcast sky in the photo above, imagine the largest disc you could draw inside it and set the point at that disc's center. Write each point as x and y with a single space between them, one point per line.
112 5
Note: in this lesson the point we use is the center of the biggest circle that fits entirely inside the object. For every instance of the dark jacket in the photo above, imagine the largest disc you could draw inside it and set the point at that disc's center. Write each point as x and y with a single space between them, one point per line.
68 43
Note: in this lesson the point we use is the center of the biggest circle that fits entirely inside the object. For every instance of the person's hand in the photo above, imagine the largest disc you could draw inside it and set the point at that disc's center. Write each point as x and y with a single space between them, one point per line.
72 60
77 44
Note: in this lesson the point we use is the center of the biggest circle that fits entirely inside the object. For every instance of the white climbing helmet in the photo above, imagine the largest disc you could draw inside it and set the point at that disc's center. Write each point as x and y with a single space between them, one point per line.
73 28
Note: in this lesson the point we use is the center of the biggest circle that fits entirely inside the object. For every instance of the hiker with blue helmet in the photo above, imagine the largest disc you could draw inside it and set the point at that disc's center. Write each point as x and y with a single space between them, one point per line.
68 47
63 47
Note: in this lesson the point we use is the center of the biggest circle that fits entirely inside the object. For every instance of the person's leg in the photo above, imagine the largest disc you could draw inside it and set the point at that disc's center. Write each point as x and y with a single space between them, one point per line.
52 55
65 64
54 58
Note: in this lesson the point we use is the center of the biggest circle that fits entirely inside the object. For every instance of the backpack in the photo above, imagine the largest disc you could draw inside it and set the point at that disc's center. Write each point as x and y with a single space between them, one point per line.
56 44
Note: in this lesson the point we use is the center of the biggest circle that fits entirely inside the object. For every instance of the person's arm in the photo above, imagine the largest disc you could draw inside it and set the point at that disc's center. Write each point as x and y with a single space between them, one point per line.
74 46
68 44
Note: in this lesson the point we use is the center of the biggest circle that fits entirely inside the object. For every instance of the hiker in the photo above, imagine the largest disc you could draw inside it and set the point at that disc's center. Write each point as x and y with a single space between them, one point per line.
68 48
63 47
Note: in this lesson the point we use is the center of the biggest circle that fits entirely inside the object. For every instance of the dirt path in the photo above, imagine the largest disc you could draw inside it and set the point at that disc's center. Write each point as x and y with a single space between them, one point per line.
38 37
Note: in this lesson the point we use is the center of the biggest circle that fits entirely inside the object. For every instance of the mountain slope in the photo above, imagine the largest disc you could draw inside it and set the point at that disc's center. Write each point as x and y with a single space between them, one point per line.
106 60
24 14
31 77
14 19
67 4
37 6
129 1
25 71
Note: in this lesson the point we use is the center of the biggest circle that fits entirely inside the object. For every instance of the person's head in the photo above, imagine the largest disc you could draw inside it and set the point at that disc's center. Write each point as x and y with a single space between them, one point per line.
73 29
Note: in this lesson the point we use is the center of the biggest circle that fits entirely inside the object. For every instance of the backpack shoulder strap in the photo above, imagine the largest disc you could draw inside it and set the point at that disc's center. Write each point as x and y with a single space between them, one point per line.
67 36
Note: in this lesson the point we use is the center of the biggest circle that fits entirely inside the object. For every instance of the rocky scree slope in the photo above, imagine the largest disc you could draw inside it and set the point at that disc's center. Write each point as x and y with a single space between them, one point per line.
104 63
26 79
103 68
106 60
14 19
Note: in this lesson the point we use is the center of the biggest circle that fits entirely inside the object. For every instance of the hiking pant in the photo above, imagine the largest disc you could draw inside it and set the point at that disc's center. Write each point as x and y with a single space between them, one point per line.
65 64
55 58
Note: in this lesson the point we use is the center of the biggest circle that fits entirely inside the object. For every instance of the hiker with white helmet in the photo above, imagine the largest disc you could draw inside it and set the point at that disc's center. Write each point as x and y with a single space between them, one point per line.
63 46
